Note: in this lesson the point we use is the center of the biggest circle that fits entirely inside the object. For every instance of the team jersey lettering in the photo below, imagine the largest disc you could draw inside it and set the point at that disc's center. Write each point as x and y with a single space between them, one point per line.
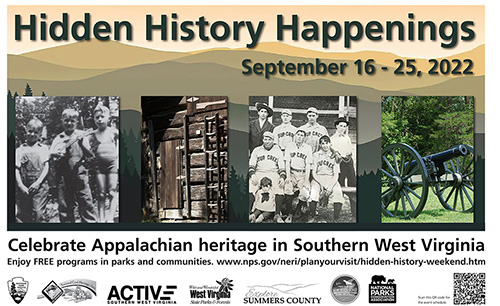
273 158
298 155
267 157
317 134
286 133
326 163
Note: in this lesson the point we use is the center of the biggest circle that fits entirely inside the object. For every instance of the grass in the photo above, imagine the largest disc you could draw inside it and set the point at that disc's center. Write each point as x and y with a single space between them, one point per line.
434 212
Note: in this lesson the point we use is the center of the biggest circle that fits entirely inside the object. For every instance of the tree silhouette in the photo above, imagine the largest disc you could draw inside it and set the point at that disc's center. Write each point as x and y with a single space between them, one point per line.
27 91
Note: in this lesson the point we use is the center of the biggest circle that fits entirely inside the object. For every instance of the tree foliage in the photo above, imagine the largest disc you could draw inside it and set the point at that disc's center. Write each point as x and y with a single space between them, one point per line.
428 124
49 111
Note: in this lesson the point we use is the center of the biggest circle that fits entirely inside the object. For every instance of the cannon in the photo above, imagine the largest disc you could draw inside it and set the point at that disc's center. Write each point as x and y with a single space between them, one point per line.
407 176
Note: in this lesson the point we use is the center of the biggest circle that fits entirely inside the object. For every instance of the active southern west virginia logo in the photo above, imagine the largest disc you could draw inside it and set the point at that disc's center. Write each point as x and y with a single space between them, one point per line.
18 288
382 290
142 294
219 293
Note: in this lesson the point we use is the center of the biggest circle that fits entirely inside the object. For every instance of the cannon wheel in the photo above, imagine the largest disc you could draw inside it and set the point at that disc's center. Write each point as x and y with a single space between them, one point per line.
404 181
455 189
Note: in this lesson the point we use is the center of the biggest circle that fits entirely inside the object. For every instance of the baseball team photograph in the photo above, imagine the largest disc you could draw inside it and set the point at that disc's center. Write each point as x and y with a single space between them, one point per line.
302 159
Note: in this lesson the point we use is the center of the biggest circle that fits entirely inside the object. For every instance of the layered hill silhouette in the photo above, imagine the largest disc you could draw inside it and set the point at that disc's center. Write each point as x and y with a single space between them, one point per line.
171 78
114 69
94 54
93 58
21 67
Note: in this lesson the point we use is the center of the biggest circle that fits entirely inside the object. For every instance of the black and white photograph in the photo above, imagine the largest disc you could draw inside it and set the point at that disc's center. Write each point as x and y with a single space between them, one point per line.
302 159
66 159
184 142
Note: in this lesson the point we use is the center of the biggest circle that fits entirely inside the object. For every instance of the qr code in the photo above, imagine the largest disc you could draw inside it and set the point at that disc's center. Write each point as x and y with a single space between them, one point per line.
469 288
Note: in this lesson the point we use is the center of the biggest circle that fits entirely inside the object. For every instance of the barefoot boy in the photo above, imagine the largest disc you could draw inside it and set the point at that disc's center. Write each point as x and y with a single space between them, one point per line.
31 170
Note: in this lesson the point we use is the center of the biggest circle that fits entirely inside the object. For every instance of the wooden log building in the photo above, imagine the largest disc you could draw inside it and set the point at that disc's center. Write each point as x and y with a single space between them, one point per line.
184 158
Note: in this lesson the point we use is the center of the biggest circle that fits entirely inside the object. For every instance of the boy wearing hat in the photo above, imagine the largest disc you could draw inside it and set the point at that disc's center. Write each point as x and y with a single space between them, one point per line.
267 161
284 133
313 129
260 125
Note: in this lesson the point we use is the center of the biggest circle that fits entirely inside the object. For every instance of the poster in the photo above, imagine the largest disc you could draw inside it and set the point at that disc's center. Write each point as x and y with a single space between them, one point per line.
248 155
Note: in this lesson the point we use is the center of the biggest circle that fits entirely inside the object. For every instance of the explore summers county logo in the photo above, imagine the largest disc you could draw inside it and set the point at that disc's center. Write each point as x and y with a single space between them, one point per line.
291 294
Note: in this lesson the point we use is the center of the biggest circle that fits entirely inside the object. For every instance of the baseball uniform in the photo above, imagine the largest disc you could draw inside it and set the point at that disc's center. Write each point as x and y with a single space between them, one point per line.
313 134
268 163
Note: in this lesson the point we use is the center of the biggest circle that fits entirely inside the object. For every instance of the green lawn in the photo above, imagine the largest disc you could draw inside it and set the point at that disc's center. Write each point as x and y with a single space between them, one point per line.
434 212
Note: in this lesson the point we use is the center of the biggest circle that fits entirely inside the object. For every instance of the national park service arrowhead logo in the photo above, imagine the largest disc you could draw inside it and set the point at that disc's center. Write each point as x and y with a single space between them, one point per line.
18 288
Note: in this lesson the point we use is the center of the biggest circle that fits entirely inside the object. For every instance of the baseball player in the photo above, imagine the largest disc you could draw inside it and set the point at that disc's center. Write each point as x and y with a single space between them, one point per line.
298 161
284 133
267 161
342 146
325 173
313 129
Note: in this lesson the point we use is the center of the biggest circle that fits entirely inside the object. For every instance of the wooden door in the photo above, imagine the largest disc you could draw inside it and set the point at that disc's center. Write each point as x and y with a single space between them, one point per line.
170 173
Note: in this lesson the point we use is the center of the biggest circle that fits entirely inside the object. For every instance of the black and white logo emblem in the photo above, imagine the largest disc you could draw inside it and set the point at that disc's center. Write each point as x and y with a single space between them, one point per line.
52 292
345 289
226 285
18 288
382 290
73 290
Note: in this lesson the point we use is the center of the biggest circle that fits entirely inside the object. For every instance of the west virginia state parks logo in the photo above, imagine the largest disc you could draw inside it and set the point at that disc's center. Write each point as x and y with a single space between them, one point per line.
212 294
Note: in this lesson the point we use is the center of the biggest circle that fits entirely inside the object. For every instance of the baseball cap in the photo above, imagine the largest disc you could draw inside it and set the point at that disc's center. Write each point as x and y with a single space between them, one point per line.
268 134
312 110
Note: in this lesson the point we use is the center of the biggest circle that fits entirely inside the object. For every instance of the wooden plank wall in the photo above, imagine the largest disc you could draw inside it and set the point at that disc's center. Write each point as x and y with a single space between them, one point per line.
168 118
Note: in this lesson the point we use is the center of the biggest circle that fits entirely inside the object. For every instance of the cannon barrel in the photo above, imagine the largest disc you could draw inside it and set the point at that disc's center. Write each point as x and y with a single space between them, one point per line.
441 157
